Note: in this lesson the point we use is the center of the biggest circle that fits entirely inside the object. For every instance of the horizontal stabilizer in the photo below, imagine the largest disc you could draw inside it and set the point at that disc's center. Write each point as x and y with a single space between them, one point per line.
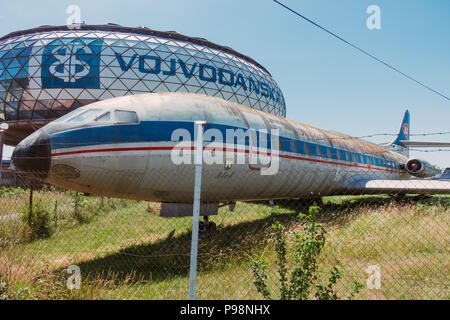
445 174
408 143
401 186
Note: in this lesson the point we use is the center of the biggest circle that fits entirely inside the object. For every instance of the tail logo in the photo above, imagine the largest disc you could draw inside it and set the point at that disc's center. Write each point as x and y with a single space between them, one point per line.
405 129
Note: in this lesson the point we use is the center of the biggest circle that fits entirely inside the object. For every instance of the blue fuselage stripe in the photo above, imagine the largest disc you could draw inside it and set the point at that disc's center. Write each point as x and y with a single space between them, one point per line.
145 131
158 131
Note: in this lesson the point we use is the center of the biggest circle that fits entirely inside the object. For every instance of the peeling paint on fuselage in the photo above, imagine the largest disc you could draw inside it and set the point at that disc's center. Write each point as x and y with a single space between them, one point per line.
144 170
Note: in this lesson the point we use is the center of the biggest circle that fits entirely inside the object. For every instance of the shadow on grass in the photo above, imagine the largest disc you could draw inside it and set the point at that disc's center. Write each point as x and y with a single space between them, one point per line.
335 210
228 245
340 210
170 258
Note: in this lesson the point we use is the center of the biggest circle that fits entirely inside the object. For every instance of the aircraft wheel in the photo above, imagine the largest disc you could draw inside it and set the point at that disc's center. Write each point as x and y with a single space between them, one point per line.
202 227
211 227
206 227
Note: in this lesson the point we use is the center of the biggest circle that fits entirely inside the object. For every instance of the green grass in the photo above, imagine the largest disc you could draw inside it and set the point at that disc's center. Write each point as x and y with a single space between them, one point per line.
127 251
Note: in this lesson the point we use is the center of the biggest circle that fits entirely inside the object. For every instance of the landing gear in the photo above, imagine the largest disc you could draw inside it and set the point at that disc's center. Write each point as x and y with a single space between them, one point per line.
206 226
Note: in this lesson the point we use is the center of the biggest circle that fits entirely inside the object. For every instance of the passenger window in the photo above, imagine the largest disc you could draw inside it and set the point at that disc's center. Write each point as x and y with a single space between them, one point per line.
126 116
293 146
359 157
318 150
301 147
280 144
334 154
88 114
324 151
312 149
104 118
364 159
350 157
307 151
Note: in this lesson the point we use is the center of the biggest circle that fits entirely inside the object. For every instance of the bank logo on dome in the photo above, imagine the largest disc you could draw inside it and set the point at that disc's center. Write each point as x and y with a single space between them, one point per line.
74 64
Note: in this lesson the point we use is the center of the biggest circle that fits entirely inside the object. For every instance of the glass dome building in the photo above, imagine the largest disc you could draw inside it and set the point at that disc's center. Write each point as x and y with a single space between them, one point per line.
48 71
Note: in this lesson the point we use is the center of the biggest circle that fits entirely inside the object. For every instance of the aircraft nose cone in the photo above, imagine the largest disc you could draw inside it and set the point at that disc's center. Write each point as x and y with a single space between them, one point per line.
32 155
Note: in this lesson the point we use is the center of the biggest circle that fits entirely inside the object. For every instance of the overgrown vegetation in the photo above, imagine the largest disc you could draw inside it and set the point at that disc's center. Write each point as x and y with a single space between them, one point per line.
38 218
300 280
52 285
125 250
52 210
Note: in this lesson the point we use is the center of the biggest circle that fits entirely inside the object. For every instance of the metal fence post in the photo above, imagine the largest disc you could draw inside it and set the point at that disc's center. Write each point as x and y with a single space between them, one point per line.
198 159
30 213
3 127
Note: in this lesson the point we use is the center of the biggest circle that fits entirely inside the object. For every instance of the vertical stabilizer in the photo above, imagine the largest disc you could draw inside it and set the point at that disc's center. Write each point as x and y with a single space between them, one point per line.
403 135
404 130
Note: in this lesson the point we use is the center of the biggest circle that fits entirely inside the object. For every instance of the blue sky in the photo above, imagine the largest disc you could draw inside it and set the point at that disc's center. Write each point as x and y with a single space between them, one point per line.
325 82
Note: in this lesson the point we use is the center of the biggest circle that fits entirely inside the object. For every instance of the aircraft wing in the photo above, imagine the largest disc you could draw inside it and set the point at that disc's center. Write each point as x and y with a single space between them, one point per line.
415 186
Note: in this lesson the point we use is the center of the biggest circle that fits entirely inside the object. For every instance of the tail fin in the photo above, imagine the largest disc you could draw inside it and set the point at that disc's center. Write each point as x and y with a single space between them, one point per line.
402 139
402 136
402 143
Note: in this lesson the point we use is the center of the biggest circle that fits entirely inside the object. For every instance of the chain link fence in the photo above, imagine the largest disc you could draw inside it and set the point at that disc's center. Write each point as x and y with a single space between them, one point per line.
61 244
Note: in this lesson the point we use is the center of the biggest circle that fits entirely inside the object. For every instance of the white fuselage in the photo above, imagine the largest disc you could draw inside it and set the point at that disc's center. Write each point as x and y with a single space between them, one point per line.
141 159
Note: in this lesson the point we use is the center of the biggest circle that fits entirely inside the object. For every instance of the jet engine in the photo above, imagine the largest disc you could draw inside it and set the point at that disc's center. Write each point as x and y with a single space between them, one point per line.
420 168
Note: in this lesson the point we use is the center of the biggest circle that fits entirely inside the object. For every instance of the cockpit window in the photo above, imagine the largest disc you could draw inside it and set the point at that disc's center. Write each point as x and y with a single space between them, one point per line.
88 114
126 116
104 118
69 115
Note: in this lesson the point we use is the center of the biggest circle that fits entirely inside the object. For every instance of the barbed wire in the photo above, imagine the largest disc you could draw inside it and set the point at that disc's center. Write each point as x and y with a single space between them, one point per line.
365 52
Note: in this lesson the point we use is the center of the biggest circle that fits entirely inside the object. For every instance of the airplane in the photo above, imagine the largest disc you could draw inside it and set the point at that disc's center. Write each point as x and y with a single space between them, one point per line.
141 147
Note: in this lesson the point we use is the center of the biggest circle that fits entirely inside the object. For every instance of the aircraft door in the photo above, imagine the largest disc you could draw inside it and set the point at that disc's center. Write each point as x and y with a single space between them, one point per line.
259 144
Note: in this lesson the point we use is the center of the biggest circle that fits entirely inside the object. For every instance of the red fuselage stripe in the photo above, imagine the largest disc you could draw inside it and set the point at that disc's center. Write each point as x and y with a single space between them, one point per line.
213 149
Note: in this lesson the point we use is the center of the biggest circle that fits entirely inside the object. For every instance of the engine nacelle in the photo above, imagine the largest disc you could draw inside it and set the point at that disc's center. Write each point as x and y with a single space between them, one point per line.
420 168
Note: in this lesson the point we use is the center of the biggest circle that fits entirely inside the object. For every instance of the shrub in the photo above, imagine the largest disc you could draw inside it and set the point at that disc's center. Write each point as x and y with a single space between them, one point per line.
303 280
39 221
